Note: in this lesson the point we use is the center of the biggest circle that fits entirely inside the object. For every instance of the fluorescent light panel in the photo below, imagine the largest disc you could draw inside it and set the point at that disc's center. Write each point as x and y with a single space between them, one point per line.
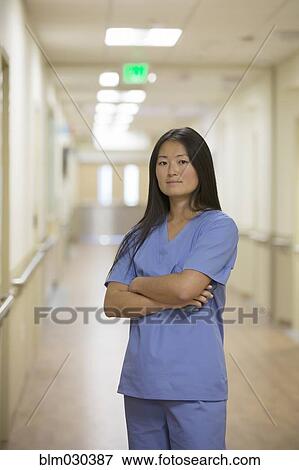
109 79
156 37
133 96
115 96
121 141
130 108
107 108
109 96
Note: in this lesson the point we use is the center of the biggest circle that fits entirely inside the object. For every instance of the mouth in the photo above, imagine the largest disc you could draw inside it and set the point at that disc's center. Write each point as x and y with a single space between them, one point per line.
174 182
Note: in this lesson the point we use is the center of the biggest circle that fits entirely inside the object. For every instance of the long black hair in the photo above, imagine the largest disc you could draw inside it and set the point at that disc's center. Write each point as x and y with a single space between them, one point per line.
204 197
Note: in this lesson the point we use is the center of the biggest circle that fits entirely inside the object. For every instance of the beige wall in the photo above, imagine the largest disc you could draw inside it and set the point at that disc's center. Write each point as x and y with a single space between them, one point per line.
286 215
255 143
240 141
87 181
32 94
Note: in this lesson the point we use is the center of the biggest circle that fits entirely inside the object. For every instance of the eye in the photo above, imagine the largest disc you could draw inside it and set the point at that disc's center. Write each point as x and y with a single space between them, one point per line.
161 162
185 161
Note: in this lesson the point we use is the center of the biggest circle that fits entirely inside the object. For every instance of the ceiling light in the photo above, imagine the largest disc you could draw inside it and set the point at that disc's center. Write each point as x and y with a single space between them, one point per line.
152 77
101 125
102 118
114 96
108 108
115 126
124 118
109 79
157 37
128 108
133 96
120 127
121 141
108 96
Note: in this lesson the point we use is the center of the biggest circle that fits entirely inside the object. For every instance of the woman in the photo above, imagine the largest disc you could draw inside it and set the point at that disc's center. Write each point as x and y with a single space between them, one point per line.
174 377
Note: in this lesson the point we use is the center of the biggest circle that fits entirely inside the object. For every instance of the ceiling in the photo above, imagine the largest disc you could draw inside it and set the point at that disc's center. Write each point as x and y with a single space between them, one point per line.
219 40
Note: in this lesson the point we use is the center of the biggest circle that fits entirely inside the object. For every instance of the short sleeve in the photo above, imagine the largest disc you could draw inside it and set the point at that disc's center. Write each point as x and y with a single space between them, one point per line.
215 250
121 271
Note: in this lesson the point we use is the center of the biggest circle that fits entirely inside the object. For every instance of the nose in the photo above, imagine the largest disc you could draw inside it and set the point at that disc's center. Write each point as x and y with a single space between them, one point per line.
172 169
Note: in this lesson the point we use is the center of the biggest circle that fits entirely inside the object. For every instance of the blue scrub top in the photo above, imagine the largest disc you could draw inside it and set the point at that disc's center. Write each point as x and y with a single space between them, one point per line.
177 354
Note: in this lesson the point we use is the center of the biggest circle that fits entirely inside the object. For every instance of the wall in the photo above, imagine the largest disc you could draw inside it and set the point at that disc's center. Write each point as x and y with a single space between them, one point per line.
240 141
286 215
32 94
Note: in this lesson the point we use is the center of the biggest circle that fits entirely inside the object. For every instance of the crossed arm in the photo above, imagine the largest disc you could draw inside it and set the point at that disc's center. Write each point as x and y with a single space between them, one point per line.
171 288
148 294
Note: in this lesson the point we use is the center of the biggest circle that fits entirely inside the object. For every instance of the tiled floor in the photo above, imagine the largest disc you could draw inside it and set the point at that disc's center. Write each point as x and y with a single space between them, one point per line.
70 399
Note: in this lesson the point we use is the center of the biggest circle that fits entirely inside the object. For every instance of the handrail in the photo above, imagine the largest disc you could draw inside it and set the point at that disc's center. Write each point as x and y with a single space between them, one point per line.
20 281
279 242
259 236
48 243
282 242
44 247
5 306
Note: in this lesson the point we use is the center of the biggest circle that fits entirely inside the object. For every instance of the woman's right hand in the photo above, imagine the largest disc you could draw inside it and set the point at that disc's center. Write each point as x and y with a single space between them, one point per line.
201 299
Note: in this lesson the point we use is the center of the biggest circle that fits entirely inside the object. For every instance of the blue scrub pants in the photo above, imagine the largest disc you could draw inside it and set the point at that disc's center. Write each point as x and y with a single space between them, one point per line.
175 424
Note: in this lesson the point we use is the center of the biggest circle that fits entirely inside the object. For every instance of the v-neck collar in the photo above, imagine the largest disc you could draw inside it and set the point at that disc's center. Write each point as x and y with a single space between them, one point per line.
165 228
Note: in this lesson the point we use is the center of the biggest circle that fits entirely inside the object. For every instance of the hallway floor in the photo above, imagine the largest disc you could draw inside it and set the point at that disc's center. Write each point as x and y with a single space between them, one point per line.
70 399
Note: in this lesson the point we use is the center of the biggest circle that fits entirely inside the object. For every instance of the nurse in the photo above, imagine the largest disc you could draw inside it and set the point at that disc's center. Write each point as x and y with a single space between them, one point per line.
174 378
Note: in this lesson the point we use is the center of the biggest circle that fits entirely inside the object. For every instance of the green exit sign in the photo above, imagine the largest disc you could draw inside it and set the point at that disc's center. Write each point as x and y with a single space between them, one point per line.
135 73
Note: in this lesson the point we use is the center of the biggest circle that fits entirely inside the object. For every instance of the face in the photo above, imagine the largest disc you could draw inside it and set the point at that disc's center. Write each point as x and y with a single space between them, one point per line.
173 164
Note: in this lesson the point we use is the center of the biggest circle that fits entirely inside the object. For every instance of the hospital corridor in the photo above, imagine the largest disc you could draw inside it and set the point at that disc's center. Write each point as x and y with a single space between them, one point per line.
101 101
